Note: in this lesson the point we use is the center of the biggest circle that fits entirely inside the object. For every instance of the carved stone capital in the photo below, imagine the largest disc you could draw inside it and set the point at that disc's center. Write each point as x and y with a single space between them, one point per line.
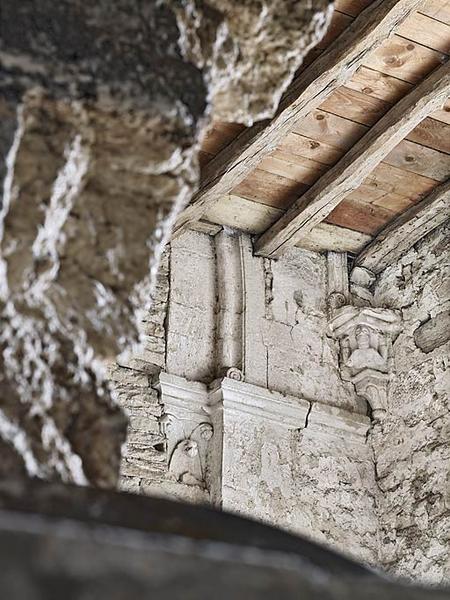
365 335
187 427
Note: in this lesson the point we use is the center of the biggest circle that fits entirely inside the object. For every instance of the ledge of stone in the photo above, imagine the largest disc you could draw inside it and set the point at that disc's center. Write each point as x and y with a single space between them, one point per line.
248 399
190 397
245 400
332 421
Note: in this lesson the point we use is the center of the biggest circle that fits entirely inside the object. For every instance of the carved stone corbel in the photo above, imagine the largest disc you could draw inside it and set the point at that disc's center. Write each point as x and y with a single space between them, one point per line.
187 428
361 284
365 336
373 387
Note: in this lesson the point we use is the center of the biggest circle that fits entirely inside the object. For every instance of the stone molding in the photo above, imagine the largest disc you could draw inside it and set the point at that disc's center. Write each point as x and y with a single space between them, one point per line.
195 415
335 423
196 402
365 335
244 399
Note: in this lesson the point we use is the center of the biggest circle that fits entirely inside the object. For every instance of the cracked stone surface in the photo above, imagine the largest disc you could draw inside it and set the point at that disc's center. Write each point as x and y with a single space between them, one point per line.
101 114
385 499
412 448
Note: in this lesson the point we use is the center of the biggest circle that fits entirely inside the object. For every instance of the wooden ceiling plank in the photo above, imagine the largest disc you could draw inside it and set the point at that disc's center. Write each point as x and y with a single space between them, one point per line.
284 171
393 202
304 147
330 70
339 132
369 95
416 154
304 171
351 7
270 188
437 9
318 202
404 59
359 216
428 32
392 179
418 28
388 89
418 159
405 231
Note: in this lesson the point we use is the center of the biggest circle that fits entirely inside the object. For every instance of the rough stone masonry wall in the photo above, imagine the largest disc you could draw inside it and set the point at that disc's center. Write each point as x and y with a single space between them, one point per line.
143 464
412 446
310 480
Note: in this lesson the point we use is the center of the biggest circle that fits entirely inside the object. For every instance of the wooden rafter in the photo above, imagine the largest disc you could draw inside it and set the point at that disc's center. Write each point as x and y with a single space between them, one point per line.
348 174
329 71
406 230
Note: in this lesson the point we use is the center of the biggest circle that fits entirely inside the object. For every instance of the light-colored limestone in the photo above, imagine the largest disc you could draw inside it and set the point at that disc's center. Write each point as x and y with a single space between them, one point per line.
192 308
412 447
292 442
365 336
302 466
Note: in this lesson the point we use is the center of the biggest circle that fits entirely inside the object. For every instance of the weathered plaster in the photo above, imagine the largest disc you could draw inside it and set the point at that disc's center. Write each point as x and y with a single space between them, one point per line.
302 466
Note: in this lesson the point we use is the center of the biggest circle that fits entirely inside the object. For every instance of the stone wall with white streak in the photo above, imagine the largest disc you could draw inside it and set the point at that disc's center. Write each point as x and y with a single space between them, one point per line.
412 445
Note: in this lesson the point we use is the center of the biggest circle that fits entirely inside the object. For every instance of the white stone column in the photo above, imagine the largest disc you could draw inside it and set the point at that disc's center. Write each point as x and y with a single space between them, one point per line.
230 302
337 275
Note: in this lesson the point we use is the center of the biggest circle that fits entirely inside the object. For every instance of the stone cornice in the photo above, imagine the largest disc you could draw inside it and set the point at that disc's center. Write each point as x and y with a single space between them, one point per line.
333 422
380 319
243 401
183 396
250 400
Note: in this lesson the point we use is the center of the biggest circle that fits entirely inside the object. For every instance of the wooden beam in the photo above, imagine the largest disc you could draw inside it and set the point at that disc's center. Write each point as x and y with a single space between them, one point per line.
349 173
330 70
406 230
